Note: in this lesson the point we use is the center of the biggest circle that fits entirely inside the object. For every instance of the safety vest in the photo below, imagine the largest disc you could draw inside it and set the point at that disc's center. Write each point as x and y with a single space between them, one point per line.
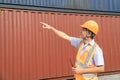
84 61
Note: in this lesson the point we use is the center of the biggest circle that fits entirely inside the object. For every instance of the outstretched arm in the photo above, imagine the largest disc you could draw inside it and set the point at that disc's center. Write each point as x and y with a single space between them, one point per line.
57 32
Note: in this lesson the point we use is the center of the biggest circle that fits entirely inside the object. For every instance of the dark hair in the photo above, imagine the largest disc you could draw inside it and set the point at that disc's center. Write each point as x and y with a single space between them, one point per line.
92 34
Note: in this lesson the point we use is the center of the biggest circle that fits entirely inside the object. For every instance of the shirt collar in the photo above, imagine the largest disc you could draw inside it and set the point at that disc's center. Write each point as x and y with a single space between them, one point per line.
91 42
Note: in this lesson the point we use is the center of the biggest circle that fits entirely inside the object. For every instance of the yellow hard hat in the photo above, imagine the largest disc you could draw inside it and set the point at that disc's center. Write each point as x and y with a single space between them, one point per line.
91 25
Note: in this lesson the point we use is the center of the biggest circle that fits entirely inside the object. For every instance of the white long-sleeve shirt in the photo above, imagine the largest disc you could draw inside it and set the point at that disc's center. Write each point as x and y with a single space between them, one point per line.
97 59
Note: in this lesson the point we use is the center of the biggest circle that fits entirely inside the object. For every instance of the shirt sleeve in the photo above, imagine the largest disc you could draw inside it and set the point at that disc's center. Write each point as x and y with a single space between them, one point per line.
74 41
98 57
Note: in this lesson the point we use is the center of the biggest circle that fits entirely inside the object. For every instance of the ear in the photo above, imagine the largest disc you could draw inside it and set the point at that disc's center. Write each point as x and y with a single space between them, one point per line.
89 33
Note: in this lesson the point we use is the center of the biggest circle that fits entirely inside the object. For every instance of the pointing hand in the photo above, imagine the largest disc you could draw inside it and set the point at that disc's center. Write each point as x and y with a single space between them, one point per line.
45 26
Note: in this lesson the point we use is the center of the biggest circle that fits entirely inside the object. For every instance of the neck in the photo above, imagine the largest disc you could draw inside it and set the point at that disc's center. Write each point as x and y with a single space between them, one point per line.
87 40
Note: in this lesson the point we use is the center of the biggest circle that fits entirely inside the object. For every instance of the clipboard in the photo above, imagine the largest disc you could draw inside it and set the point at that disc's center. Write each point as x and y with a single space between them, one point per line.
71 62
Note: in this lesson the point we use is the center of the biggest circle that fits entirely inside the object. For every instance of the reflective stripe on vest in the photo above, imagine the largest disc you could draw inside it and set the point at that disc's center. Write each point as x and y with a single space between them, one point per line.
88 57
84 60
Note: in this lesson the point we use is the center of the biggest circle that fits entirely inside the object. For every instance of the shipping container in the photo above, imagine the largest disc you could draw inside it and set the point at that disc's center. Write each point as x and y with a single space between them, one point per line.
28 52
97 5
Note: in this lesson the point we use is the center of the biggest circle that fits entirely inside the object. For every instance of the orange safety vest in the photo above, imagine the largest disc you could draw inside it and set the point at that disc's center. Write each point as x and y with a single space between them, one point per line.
84 61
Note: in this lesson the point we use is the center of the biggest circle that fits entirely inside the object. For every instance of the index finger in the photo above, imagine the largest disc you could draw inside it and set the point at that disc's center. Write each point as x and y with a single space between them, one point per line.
73 68
43 23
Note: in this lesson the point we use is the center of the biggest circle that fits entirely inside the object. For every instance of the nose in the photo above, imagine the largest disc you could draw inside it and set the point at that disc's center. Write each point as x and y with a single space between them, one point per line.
80 33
